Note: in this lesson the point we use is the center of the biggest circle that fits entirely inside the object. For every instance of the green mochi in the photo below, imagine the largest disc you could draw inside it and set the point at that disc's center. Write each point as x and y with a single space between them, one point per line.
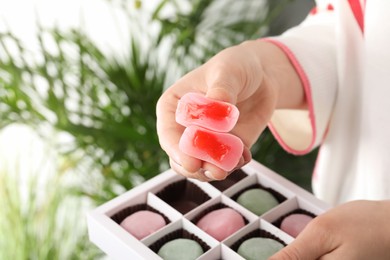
257 200
259 248
180 249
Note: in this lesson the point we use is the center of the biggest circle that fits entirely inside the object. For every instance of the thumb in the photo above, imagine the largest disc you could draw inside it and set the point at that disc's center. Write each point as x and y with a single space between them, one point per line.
312 243
222 92
223 85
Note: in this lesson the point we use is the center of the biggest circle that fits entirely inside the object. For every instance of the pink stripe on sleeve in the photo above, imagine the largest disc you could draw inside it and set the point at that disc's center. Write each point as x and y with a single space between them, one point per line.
358 12
306 86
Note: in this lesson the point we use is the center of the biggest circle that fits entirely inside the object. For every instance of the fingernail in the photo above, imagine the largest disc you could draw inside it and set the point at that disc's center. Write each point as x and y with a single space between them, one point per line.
209 175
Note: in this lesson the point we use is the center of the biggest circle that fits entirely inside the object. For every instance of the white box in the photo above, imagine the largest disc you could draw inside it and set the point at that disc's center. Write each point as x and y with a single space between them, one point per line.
117 243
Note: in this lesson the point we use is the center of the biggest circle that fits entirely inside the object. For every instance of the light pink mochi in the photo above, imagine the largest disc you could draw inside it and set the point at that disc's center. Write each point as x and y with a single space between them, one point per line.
196 109
221 223
295 223
221 149
143 223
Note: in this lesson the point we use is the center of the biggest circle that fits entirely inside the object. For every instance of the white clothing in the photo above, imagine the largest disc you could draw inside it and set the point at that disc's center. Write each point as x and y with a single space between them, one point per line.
345 71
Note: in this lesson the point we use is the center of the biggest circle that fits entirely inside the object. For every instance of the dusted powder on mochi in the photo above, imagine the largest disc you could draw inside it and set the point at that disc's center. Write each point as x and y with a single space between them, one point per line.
221 223
180 249
143 223
221 149
196 109
259 248
257 200
295 223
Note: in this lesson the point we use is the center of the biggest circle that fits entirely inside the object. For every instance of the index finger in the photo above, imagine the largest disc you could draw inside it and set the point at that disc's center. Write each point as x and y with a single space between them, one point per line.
169 131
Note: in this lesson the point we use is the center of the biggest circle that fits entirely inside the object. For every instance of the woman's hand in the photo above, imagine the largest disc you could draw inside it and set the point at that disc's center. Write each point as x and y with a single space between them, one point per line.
252 76
352 231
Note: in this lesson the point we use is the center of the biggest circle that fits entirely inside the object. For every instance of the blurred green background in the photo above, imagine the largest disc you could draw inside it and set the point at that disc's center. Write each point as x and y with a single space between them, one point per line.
93 114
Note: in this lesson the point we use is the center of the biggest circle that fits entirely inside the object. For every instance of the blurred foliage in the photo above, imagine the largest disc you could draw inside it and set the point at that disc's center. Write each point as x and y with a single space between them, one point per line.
210 26
37 210
105 105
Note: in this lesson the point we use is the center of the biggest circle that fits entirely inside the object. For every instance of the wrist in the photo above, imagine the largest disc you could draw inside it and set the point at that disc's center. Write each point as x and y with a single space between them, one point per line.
279 74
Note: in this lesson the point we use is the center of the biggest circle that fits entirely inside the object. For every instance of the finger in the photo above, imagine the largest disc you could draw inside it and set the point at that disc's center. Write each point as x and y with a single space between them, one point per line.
208 172
233 82
213 172
347 253
334 255
314 241
222 84
199 175
247 156
223 91
248 132
255 114
169 131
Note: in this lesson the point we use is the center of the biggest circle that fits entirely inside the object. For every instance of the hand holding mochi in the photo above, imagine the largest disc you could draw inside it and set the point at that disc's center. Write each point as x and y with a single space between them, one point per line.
196 109
205 137
221 149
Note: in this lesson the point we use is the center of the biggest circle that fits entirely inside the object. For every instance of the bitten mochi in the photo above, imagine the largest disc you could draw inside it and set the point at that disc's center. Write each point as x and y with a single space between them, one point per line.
221 149
196 109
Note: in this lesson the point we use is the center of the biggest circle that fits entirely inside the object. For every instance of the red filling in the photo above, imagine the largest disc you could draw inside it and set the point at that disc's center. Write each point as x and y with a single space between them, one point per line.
210 144
214 110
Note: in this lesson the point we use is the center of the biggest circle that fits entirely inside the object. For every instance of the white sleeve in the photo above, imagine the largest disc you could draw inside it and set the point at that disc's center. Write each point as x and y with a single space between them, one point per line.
311 49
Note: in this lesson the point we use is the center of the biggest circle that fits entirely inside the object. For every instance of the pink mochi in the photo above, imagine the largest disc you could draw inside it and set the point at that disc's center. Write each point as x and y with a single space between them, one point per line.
221 223
295 223
143 223
196 109
221 149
